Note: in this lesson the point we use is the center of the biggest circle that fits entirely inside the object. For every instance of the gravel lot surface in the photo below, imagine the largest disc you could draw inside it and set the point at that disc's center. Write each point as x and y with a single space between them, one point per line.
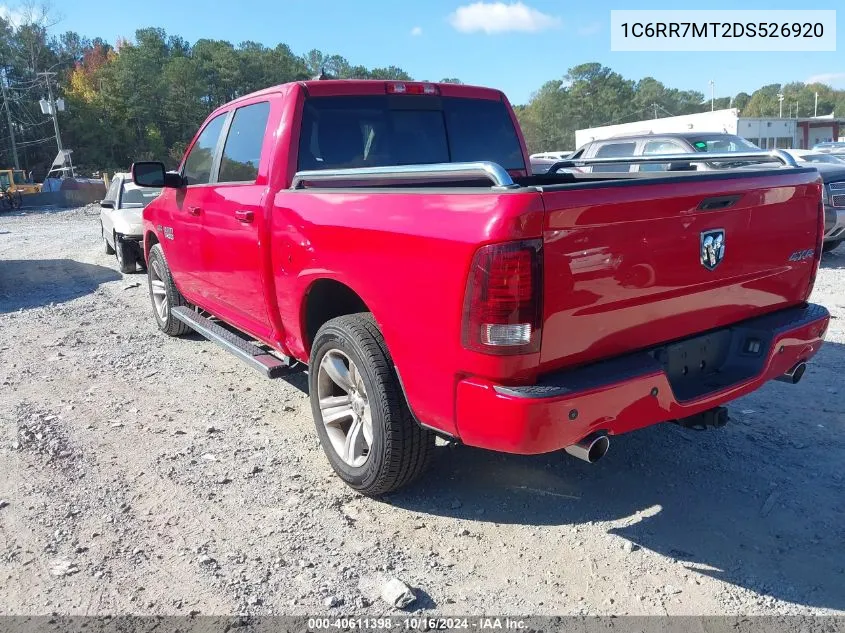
144 474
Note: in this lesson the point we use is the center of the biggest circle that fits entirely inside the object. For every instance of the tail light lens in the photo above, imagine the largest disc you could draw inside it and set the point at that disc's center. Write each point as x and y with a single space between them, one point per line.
502 306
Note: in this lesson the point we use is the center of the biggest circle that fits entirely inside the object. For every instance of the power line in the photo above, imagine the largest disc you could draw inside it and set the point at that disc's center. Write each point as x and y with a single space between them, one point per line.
27 115
27 126
22 87
623 117
41 140
665 110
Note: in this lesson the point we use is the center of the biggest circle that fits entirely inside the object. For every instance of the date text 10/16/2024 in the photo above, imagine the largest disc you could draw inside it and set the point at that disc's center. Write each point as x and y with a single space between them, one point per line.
416 624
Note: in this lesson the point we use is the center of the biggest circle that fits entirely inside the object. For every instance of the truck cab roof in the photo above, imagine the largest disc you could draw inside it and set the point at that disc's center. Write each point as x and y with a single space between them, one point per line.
342 87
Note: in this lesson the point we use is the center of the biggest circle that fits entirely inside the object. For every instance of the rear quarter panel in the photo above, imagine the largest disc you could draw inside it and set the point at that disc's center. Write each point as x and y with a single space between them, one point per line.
407 256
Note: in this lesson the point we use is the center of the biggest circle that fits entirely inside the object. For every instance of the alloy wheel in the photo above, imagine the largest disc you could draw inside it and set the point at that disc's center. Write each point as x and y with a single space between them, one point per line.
345 408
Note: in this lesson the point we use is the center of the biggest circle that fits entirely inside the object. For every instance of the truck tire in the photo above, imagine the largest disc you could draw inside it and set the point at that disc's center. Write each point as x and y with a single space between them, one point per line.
107 249
125 253
829 246
164 295
351 375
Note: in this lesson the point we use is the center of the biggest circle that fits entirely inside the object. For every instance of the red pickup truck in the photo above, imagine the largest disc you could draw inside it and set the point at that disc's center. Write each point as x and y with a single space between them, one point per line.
390 236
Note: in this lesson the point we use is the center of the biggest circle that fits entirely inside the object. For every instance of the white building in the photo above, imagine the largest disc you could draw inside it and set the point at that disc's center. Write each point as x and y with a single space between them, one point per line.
766 133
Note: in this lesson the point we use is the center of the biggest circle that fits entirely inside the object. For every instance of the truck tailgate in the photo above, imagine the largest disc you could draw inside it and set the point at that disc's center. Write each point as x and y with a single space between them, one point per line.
630 264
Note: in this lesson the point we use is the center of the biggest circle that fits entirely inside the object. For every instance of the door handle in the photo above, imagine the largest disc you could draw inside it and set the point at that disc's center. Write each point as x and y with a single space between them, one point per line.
195 211
243 215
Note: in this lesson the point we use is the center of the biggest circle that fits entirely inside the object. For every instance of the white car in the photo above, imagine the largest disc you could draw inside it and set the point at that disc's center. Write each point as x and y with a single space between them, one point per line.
814 156
831 147
121 225
542 162
553 155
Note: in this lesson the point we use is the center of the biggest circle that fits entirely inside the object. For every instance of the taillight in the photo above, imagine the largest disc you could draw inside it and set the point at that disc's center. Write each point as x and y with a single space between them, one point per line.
502 306
405 88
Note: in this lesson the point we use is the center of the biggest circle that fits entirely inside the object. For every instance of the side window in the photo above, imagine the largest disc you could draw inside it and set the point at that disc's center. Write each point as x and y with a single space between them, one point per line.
614 150
242 151
660 147
198 163
111 194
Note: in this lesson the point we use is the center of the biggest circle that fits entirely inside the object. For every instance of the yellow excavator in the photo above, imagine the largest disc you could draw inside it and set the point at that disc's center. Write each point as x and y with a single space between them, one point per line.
13 185
16 180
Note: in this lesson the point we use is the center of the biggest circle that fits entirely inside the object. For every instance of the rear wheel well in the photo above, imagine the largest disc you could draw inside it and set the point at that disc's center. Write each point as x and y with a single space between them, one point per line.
327 299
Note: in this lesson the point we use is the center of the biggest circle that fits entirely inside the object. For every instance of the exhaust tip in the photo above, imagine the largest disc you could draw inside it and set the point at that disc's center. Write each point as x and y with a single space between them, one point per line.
590 449
794 375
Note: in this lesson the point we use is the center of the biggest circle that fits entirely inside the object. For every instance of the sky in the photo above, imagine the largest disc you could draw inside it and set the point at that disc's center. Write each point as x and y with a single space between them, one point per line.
515 46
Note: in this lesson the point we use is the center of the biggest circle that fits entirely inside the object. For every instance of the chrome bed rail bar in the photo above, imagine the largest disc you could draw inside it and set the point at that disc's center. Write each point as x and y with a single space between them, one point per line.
775 155
407 174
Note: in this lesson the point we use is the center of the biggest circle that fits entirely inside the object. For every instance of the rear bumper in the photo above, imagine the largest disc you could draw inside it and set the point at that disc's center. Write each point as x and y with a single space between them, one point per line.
638 390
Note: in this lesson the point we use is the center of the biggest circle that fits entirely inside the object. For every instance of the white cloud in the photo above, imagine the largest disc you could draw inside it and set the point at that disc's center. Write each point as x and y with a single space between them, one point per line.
826 78
416 31
13 16
498 17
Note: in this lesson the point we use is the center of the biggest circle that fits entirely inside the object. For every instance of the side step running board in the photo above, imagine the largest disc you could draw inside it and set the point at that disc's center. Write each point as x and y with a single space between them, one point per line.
251 354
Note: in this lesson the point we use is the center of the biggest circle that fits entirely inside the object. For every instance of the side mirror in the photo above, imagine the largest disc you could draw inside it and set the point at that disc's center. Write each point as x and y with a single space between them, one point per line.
107 204
153 174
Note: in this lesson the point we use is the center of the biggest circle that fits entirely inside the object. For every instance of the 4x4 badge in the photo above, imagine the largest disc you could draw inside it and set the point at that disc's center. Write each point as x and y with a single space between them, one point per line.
712 248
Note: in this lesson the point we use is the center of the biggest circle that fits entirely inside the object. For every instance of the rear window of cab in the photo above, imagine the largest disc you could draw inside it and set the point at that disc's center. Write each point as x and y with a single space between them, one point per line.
387 130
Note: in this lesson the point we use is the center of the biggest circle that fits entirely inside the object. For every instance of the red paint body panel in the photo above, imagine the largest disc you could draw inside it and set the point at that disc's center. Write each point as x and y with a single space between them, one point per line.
622 268
618 260
406 256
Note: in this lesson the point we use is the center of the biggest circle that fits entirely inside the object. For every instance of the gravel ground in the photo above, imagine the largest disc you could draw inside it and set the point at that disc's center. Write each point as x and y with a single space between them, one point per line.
144 474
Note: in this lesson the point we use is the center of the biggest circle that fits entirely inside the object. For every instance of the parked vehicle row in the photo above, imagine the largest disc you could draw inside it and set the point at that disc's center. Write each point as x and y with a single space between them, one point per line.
392 237
831 147
830 166
815 156
121 225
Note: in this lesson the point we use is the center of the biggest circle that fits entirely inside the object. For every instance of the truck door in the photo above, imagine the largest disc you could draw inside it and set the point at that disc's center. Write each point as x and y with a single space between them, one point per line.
183 228
233 222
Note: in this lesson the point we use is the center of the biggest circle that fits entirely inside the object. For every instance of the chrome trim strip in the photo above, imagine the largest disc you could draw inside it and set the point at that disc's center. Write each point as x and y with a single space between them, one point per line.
493 172
774 155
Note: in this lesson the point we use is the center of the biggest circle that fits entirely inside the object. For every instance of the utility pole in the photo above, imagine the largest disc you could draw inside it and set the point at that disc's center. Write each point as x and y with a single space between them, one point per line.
780 105
655 109
52 108
9 120
712 95
816 107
